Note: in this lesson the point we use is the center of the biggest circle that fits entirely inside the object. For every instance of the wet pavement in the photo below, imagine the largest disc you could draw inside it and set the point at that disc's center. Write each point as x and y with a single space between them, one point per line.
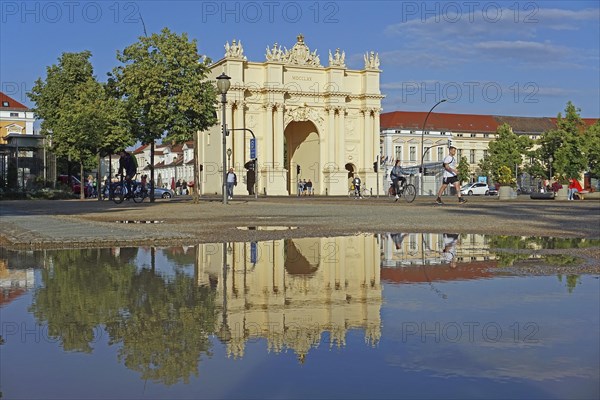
92 223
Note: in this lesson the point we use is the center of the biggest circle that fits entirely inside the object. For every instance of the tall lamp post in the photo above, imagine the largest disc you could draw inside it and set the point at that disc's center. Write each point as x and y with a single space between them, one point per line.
422 148
229 158
223 85
551 159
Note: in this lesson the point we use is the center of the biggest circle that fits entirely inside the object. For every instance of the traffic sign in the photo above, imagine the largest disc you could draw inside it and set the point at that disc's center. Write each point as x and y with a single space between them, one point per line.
253 148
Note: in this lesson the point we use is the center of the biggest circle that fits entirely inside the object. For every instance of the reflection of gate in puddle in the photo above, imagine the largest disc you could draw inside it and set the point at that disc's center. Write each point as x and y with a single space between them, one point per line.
292 291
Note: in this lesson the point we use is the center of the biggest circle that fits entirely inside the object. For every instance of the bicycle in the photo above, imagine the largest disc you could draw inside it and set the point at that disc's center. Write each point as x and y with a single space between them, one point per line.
406 190
120 192
364 192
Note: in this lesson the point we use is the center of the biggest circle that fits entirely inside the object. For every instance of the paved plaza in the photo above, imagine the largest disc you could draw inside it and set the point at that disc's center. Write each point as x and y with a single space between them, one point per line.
92 223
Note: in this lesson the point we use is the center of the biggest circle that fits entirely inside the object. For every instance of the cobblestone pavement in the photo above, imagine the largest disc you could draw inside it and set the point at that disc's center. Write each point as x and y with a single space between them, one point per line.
92 223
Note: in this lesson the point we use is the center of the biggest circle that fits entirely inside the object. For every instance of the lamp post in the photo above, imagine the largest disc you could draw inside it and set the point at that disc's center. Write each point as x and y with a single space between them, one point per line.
422 148
228 158
223 85
551 159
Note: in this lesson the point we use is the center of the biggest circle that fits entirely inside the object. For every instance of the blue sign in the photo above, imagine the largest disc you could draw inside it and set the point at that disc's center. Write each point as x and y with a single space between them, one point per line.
253 148
253 251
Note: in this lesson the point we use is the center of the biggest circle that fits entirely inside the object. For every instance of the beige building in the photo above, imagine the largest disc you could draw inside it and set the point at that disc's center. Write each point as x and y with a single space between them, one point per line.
324 119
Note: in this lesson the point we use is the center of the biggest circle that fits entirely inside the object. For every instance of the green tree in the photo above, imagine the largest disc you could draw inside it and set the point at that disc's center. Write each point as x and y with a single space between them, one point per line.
565 144
163 82
464 171
591 148
507 150
71 104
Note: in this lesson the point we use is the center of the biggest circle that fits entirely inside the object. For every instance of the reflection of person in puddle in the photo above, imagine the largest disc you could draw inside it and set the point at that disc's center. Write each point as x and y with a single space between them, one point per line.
398 238
449 251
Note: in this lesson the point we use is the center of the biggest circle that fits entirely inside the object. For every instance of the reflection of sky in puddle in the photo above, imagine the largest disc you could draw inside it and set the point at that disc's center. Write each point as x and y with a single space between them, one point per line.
292 317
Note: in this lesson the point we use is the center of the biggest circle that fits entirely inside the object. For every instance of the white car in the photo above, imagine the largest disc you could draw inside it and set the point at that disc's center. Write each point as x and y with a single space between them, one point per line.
479 188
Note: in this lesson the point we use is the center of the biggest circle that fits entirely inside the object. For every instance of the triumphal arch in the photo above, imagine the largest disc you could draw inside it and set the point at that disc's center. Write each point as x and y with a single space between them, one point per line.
311 122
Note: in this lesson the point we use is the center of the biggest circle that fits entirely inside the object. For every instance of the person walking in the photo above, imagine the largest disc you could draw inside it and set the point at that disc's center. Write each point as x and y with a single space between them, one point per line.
450 177
231 182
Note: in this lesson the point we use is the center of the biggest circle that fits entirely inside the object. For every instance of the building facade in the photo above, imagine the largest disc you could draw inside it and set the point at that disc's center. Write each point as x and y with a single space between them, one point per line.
310 121
404 138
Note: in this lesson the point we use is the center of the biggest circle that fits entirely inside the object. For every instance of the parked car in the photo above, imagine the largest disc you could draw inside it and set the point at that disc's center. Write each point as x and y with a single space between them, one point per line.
477 188
74 183
161 192
492 191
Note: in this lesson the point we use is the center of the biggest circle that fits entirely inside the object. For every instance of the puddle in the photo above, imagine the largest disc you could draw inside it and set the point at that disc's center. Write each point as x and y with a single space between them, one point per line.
266 228
139 222
436 315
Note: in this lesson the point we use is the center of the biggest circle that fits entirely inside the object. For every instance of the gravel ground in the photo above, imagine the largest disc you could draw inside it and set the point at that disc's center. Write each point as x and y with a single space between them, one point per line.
75 223
58 224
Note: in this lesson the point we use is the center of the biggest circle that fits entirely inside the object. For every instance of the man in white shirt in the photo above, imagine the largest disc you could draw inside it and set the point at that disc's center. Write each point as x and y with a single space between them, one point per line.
450 177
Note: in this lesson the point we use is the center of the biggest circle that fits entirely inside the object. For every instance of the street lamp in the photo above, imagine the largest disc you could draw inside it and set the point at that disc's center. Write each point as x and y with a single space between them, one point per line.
229 158
551 159
422 146
223 85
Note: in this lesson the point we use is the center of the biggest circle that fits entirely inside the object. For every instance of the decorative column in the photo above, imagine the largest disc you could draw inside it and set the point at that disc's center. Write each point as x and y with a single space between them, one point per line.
238 139
229 121
268 138
366 138
278 136
340 136
331 137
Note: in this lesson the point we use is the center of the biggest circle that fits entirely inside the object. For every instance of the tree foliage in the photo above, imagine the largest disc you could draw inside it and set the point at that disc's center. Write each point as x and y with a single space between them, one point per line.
591 148
464 172
69 102
163 83
566 145
507 150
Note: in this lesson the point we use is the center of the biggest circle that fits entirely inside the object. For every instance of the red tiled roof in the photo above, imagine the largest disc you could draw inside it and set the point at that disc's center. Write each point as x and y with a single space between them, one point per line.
141 149
413 120
410 120
12 103
442 272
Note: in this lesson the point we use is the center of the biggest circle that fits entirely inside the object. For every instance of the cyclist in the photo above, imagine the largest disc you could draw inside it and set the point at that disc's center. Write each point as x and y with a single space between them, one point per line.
356 182
127 163
397 179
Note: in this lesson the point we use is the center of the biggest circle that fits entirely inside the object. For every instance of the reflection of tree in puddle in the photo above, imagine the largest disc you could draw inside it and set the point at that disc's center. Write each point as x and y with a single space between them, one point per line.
513 249
163 326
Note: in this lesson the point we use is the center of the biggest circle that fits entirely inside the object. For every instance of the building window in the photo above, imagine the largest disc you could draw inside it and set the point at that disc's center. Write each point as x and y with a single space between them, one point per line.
5 104
472 156
16 115
412 132
486 135
398 152
459 134
413 153
440 156
427 156
473 135
458 155
485 154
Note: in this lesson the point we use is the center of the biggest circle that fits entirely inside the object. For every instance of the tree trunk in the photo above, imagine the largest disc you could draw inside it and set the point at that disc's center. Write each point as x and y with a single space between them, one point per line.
81 182
196 189
152 171
99 177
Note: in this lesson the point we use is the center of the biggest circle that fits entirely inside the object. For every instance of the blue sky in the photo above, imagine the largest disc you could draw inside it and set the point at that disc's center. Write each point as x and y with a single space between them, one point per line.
523 58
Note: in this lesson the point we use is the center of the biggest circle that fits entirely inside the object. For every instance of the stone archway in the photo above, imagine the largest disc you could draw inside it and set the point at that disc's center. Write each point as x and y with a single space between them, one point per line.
302 148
